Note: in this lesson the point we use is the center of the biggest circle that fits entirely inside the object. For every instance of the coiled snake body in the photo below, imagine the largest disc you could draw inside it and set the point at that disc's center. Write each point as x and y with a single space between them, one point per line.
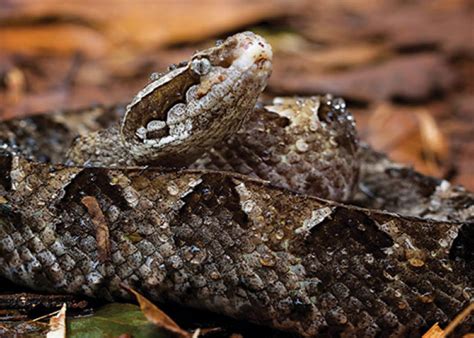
243 230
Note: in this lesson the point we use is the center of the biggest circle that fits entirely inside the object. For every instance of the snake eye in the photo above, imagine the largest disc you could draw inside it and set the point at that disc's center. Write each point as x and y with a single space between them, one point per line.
201 66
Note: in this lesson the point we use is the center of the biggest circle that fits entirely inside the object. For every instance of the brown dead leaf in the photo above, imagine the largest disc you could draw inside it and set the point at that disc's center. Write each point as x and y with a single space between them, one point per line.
410 77
388 125
15 86
436 332
57 324
156 316
434 143
140 24
111 81
339 21
327 59
60 39
102 228
35 103
422 24
459 319
449 30
408 135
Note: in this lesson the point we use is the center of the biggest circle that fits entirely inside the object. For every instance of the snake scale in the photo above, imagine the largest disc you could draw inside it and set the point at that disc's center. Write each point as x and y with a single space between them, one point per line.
272 213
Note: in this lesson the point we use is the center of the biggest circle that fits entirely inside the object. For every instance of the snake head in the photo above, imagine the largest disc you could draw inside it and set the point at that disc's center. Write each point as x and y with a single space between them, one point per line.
178 116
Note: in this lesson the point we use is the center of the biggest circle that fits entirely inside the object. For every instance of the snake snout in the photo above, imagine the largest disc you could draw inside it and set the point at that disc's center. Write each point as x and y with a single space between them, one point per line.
251 49
241 51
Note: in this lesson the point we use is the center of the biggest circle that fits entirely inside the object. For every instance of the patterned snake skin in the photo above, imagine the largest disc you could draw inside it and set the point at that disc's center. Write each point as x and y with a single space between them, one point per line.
243 230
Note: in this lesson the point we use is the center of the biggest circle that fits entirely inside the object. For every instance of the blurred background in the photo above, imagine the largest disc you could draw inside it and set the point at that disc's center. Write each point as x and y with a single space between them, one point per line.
406 68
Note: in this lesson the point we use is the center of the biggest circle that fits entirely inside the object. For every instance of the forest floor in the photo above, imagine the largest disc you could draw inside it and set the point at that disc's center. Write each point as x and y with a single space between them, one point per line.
405 68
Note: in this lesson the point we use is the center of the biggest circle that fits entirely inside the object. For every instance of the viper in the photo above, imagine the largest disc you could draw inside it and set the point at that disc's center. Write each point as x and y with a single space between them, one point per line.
198 193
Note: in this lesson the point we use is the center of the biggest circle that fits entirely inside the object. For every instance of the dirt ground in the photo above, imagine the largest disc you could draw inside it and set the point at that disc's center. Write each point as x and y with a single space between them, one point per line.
405 68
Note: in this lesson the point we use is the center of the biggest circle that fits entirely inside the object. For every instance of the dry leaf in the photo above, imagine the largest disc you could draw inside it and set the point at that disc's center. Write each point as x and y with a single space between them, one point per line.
435 331
63 39
156 316
452 31
409 77
388 125
435 145
423 24
459 319
328 58
15 85
140 24
408 135
57 324
102 228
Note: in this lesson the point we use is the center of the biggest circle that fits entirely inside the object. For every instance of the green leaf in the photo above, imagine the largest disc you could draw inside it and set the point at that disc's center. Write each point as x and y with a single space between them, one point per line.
112 320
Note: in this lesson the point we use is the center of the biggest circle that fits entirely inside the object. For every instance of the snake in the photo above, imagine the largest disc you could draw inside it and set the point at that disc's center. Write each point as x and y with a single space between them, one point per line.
199 192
